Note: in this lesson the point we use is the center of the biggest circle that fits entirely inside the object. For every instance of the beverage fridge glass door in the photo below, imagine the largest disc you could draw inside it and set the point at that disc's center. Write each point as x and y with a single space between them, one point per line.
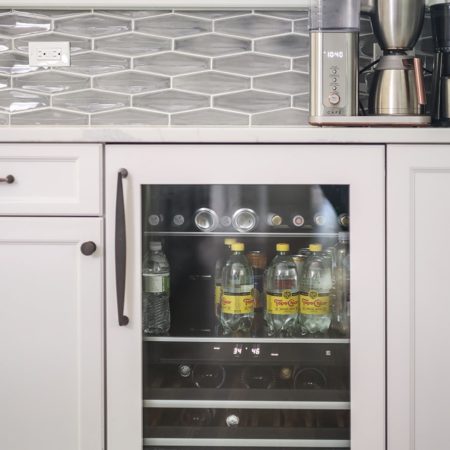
237 316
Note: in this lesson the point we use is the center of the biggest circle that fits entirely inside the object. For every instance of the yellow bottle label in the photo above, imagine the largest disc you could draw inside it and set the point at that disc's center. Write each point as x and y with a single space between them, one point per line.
284 303
242 303
314 303
218 294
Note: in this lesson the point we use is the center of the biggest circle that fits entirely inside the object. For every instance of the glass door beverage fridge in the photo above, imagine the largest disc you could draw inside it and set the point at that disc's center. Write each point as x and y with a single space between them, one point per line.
245 297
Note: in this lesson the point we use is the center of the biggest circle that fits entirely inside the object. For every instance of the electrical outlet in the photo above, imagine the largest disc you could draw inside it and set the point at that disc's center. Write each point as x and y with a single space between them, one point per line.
49 54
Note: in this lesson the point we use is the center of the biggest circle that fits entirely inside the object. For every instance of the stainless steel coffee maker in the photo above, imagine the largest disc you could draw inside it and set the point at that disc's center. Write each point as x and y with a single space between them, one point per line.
398 85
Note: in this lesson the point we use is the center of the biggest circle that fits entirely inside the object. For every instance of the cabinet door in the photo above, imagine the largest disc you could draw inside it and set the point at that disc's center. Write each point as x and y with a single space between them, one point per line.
51 334
418 242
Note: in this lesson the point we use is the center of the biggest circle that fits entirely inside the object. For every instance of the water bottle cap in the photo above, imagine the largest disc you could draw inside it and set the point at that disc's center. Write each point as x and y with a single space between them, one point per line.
315 247
155 246
230 241
343 235
238 247
282 247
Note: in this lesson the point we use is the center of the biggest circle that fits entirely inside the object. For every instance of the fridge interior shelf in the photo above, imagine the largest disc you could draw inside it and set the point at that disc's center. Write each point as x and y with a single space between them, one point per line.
258 234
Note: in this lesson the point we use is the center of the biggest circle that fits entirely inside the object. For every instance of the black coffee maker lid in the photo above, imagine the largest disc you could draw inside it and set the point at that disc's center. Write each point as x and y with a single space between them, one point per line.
440 25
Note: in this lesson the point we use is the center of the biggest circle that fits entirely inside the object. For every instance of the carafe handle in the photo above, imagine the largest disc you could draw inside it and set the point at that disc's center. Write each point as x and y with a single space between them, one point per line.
420 83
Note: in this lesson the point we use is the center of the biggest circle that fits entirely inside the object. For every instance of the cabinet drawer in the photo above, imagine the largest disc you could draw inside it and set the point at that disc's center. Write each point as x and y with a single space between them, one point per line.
51 179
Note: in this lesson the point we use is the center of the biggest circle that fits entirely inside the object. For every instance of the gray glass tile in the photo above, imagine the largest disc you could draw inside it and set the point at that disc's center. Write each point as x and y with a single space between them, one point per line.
211 83
91 101
134 14
131 82
214 14
283 118
54 13
5 82
5 11
301 27
51 82
366 44
4 119
251 64
14 25
49 117
93 26
287 82
288 45
425 46
252 101
365 26
253 26
16 101
302 101
5 44
94 63
171 101
213 45
16 63
209 117
302 64
286 14
131 117
132 44
77 44
172 63
173 26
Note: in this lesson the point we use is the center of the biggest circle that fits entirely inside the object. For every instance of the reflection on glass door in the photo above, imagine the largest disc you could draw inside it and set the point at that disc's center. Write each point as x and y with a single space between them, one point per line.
246 316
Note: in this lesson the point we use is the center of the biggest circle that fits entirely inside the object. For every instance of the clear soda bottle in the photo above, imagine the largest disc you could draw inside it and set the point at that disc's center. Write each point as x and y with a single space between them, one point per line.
315 292
238 303
341 319
220 263
282 294
156 284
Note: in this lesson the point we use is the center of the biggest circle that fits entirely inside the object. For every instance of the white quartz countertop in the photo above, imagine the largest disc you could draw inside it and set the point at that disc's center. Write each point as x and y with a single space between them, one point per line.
225 135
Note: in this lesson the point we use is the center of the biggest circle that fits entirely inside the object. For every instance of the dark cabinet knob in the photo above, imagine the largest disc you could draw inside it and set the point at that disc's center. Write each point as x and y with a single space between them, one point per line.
88 248
8 179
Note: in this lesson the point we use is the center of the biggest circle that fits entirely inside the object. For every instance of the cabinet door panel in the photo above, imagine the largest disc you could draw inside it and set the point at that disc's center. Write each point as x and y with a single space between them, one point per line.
51 335
418 304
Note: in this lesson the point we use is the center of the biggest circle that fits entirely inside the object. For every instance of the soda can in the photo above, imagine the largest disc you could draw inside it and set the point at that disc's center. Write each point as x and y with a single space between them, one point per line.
206 219
244 220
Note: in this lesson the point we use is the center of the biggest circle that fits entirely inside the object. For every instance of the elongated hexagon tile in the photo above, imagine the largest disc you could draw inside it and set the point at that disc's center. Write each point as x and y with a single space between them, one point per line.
253 26
16 63
251 64
214 14
209 117
283 118
366 46
51 82
77 44
5 44
91 101
134 14
286 14
14 25
54 13
171 101
365 26
4 119
301 101
211 83
286 82
12 101
252 101
213 45
49 117
173 26
94 63
301 27
93 25
131 117
5 82
131 82
289 45
132 44
302 64
5 11
172 63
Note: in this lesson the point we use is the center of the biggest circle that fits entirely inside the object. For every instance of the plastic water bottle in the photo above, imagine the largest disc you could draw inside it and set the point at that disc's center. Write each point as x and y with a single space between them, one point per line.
238 304
156 283
341 319
282 294
315 292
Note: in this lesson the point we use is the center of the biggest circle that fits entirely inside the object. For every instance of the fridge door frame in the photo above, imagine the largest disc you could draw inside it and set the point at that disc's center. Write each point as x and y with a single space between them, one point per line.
360 166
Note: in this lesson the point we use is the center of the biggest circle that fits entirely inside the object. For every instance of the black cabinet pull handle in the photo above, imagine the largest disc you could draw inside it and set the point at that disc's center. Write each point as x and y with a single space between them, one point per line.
8 179
88 248
121 248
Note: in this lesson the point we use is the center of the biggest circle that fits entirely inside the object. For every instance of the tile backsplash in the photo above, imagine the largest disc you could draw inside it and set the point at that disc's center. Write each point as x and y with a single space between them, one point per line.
161 68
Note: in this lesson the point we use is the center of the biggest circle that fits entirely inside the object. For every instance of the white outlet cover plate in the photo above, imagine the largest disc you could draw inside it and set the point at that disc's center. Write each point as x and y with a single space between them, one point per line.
49 54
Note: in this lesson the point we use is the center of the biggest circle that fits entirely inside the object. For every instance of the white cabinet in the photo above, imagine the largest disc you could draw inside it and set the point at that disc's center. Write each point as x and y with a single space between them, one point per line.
51 334
418 308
